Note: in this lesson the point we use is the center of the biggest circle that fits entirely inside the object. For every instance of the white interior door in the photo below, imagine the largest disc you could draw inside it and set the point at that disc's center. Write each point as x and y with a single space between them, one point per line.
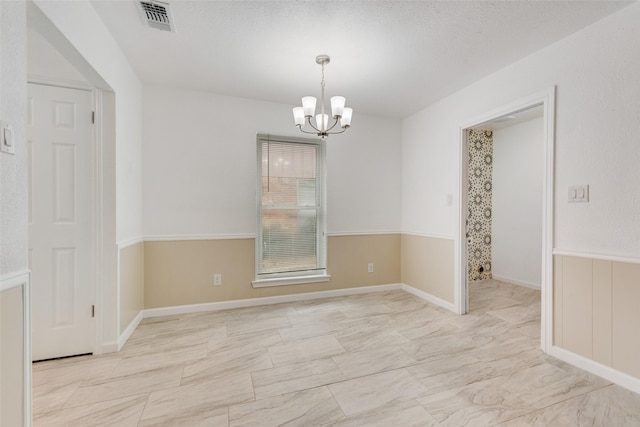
60 221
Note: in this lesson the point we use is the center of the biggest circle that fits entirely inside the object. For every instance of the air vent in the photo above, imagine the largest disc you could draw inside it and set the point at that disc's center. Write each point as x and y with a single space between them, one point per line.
157 15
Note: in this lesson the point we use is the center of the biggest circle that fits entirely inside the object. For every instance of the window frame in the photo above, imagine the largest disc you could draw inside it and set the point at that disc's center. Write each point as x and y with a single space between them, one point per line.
295 277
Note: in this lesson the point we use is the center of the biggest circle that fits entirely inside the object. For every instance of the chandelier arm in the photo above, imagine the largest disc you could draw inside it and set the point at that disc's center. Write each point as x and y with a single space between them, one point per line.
342 131
334 123
304 131
312 126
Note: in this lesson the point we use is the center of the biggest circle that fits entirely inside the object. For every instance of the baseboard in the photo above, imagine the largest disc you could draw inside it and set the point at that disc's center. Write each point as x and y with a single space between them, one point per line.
516 282
109 347
124 337
606 372
428 297
251 302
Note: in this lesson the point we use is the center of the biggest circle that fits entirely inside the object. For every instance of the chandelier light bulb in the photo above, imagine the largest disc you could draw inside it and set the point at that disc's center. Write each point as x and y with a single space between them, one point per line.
298 116
309 105
337 105
322 124
345 121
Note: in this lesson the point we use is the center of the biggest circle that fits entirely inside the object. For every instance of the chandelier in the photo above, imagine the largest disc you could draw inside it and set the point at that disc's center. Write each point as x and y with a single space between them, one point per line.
340 114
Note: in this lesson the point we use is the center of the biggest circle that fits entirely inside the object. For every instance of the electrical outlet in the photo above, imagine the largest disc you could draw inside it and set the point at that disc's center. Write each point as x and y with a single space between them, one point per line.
217 279
370 267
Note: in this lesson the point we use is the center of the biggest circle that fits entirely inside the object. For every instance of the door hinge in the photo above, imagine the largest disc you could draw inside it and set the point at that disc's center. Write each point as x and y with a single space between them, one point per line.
93 311
93 117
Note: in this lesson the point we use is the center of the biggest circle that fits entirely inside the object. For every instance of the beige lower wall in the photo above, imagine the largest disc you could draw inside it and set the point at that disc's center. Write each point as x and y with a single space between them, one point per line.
131 283
11 357
428 265
181 272
596 312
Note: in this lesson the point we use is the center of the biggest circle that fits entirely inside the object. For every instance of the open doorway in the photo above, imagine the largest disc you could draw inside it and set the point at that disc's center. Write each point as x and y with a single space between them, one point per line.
504 219
505 214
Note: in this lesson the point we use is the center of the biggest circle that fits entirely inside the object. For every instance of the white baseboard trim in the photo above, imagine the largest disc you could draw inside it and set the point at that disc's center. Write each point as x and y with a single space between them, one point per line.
606 372
109 347
431 298
124 337
517 282
251 302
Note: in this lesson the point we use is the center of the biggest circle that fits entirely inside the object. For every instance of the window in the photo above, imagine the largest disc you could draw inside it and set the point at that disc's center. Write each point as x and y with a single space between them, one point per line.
291 240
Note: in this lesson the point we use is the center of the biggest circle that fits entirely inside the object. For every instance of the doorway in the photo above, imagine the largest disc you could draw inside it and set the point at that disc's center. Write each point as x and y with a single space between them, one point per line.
466 252
61 226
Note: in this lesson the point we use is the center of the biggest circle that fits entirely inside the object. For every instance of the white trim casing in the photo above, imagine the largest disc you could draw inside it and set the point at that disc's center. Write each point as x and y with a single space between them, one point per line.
69 84
129 242
606 372
188 237
428 297
252 302
171 238
430 235
517 282
124 336
547 99
295 280
363 233
15 280
614 258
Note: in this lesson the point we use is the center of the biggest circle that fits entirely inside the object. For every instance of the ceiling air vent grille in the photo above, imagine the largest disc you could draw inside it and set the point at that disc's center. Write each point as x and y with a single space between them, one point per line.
157 15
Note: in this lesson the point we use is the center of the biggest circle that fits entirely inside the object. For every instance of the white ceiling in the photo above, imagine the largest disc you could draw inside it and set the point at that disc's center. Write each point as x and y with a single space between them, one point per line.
389 58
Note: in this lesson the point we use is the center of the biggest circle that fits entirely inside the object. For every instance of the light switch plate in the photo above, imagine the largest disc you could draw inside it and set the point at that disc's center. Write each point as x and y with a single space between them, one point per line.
6 139
578 194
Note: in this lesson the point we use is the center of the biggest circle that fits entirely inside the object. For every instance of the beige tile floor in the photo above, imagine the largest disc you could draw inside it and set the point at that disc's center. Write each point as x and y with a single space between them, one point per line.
381 359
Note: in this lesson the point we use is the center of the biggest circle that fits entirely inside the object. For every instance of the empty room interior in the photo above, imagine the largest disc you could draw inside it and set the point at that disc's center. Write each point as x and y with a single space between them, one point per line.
368 213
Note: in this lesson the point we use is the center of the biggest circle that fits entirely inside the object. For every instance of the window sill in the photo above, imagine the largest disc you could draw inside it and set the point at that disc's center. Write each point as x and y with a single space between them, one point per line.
283 281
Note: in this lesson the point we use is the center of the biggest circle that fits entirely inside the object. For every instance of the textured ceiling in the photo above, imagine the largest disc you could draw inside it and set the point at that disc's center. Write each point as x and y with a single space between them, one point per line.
389 58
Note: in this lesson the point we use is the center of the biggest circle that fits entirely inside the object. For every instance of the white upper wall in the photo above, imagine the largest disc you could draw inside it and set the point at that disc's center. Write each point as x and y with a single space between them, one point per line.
13 112
516 233
81 26
199 166
597 128
46 63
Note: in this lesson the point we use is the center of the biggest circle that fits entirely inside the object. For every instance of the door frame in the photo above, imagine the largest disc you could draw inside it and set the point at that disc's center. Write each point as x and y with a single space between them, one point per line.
97 197
461 295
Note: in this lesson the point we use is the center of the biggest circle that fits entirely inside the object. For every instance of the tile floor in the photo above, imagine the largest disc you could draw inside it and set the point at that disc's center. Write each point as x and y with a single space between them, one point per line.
380 359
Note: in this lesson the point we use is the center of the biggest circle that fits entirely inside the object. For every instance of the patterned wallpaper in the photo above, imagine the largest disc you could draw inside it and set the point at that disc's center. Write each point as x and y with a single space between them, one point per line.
479 215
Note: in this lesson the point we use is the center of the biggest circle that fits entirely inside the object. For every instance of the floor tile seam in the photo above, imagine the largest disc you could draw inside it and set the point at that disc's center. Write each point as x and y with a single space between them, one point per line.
534 410
282 395
144 408
161 387
97 402
376 347
572 397
333 396
110 379
529 407
57 407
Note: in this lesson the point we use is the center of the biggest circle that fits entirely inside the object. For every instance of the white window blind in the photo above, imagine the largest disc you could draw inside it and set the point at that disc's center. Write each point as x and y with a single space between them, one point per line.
291 239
